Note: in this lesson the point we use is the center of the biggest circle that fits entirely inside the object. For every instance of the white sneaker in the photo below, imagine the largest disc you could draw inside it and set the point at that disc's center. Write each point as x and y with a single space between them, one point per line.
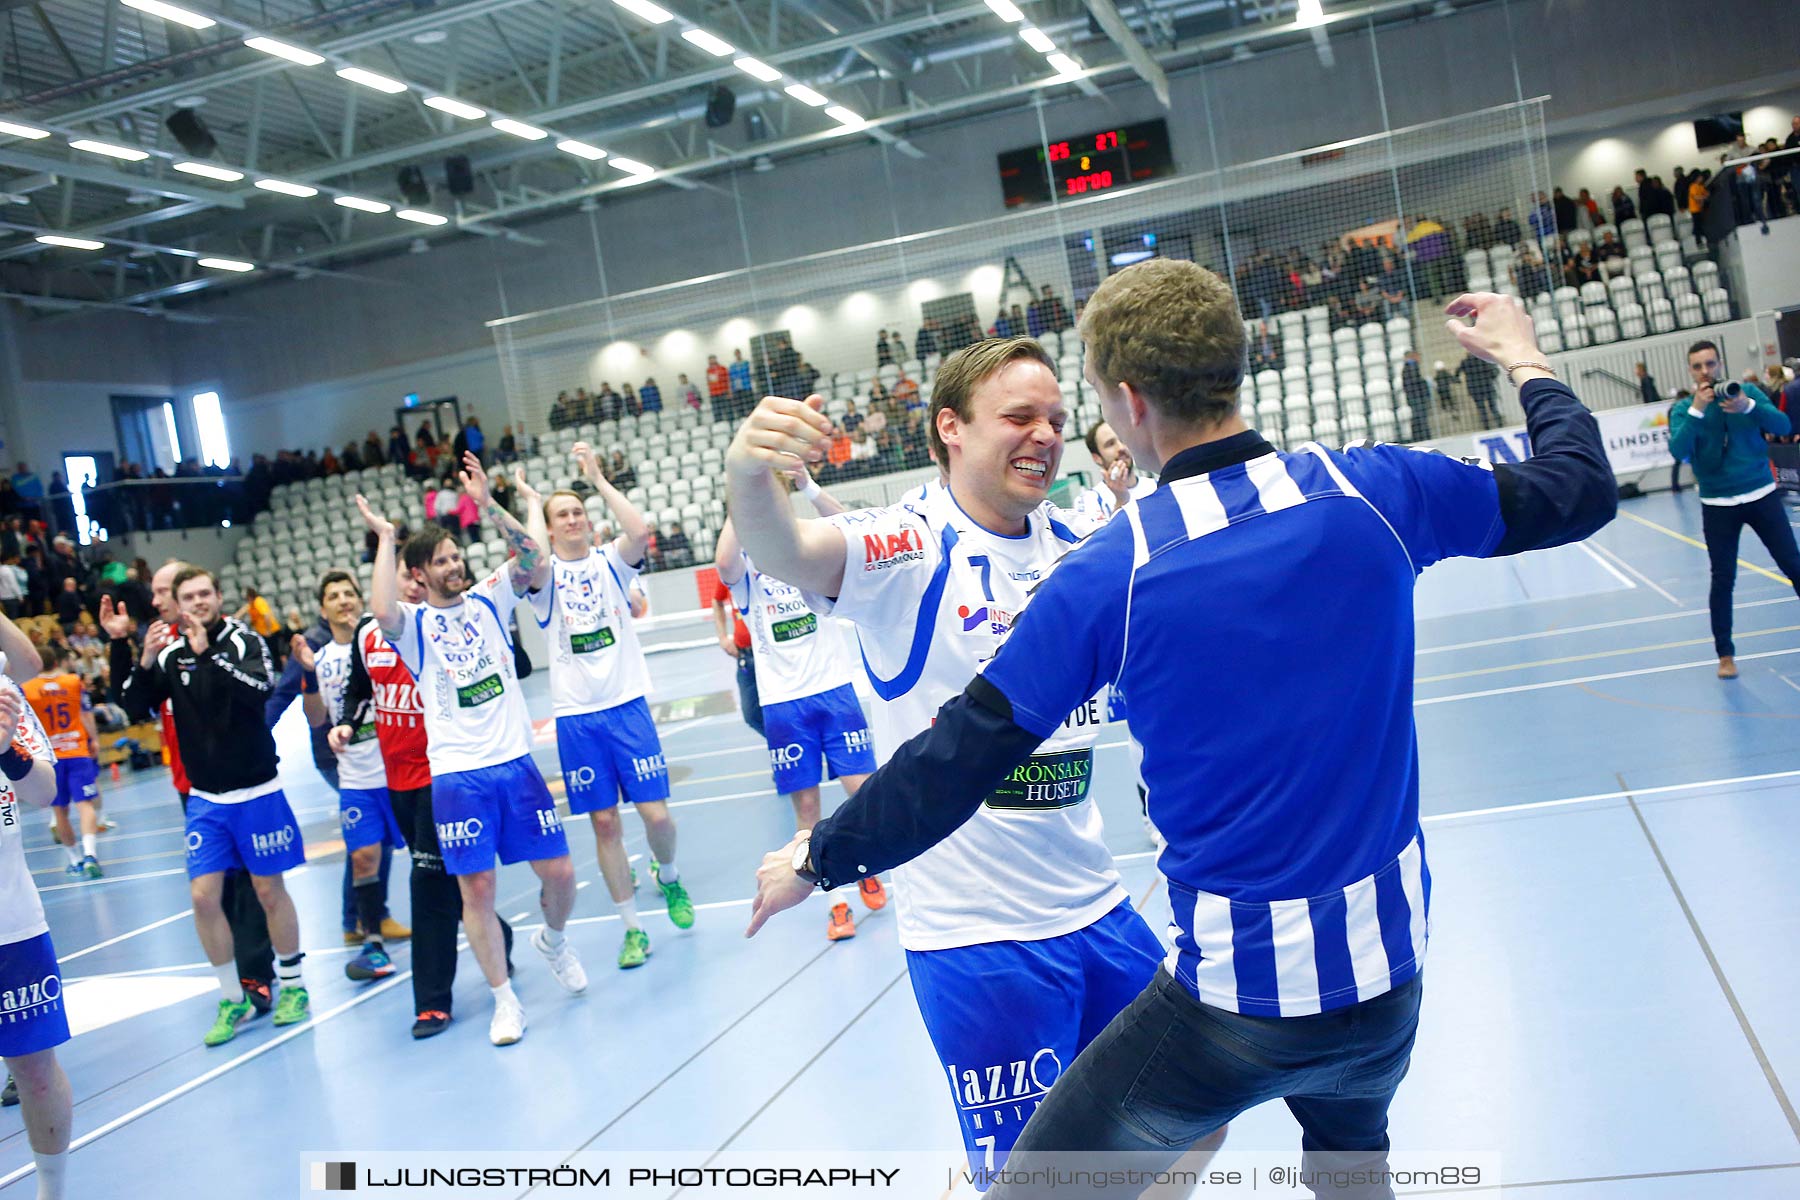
563 964
508 1025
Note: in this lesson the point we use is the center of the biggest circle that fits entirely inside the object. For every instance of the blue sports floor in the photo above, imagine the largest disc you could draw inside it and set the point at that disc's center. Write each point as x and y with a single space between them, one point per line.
1610 999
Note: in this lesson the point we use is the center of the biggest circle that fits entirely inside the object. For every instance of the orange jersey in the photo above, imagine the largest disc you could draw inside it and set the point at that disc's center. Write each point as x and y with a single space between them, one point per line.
59 702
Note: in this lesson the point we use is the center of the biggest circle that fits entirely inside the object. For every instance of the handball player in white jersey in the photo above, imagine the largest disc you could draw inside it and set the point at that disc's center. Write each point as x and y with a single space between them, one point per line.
605 736
489 797
811 716
1020 939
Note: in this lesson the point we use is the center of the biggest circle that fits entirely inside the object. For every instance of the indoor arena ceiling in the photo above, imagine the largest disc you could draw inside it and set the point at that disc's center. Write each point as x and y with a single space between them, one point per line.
552 103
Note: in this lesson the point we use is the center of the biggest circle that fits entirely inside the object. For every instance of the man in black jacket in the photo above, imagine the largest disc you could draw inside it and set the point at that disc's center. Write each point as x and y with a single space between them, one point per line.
216 674
1478 375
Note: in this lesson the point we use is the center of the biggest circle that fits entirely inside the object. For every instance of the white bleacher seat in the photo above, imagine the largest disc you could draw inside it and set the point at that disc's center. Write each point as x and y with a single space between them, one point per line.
1649 287
1658 226
1475 262
1632 321
1480 283
1633 234
1574 330
1325 430
1549 339
1718 304
1268 413
1643 259
1668 254
1293 378
1593 294
1689 311
1662 315
1620 291
1580 237
1706 276
1602 325
1677 281
1344 339
1298 434
1383 425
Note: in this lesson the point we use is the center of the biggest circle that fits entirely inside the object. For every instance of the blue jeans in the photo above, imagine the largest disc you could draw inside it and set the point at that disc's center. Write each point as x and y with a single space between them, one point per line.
1722 526
1170 1070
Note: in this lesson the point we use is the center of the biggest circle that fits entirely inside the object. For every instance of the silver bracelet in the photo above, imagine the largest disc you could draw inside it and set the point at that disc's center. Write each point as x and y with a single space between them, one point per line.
1544 367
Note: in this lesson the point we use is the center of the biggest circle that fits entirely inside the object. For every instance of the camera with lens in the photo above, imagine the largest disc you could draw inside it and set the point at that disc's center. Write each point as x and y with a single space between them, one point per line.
1730 389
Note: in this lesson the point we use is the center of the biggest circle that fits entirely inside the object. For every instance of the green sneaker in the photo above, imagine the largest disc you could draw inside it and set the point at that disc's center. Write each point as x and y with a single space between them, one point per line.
291 1006
635 950
681 909
225 1027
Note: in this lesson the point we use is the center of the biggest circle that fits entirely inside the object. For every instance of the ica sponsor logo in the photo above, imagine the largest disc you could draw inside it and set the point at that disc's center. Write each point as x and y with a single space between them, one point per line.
883 551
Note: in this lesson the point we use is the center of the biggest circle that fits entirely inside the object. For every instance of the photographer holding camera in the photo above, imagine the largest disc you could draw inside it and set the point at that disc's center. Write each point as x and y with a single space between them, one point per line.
1721 434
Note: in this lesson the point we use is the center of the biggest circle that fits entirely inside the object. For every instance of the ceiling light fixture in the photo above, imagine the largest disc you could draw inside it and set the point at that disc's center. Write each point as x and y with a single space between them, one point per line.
646 10
633 166
707 42
72 243
421 217
1037 39
758 69
228 264
370 79
1064 64
286 188
455 107
581 149
806 95
111 151
169 12
361 205
293 54
208 171
844 116
10 129
1006 10
530 133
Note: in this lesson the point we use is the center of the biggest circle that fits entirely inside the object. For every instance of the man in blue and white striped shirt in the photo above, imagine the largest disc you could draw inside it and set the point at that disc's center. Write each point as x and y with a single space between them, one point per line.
1257 608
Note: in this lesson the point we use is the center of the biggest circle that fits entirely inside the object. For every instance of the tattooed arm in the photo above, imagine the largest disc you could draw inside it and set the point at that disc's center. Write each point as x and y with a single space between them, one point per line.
530 564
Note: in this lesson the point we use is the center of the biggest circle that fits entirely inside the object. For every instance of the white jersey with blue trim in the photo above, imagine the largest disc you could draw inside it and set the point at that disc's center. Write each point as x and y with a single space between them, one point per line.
360 765
798 653
21 912
595 659
462 656
1097 503
933 595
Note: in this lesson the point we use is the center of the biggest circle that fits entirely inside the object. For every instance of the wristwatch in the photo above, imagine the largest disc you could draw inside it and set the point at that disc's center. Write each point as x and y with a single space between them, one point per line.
803 863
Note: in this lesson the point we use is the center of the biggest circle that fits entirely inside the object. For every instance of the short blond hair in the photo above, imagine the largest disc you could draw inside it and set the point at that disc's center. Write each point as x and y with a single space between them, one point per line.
960 374
1171 329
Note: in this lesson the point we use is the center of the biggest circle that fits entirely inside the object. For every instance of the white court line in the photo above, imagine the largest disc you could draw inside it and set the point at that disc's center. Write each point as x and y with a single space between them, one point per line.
111 838
1620 559
1556 683
1440 818
88 883
1606 566
173 1094
1546 633
113 941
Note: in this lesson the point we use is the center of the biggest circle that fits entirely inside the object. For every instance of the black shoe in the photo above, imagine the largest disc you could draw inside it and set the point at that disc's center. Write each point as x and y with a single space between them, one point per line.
430 1023
258 993
10 1096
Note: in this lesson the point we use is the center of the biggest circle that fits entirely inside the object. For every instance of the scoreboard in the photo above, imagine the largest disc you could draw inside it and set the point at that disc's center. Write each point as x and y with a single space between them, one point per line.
1093 162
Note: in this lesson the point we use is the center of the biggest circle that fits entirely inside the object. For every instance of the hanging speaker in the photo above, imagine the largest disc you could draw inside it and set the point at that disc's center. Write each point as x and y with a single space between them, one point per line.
721 106
459 176
411 182
191 132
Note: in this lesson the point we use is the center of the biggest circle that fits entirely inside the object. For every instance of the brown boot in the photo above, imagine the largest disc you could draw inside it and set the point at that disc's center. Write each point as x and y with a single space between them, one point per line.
1727 667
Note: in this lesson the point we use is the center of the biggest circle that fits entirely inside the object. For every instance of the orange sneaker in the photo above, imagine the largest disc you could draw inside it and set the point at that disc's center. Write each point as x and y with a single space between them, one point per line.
841 926
874 896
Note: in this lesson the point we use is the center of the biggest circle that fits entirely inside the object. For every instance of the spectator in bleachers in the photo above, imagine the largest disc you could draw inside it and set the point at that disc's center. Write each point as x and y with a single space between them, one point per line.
1611 254
1392 285
1444 384
1002 326
468 516
1646 384
509 446
1698 191
505 495
897 344
926 342
1506 230
1477 233
610 407
1587 212
582 407
676 552
29 490
651 395
878 395
806 375
1418 396
742 392
1366 304
68 606
633 406
1586 266
372 455
884 353
1792 164
1530 275
398 449
686 393
718 388
1646 194
1479 375
1056 317
621 475
1564 210
852 420
1623 209
1542 218
906 394
351 457
474 440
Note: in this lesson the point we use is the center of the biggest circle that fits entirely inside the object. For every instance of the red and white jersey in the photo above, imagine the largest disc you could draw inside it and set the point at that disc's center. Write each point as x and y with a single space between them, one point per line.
399 716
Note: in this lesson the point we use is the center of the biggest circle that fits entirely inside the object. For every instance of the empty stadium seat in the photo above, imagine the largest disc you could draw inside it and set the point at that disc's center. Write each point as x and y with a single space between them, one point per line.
1632 321
1688 310
1662 315
1718 304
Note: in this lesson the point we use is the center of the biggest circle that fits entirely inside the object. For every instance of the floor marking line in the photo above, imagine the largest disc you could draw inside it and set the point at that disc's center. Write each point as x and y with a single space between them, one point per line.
1606 566
1682 537
1712 960
1607 552
1546 633
1466 814
88 883
1574 658
1554 683
113 941
173 1094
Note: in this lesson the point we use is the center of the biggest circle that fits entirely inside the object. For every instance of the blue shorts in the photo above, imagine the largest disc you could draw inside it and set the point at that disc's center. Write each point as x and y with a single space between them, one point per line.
504 810
611 751
1007 1018
261 836
367 818
77 779
31 1007
827 729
